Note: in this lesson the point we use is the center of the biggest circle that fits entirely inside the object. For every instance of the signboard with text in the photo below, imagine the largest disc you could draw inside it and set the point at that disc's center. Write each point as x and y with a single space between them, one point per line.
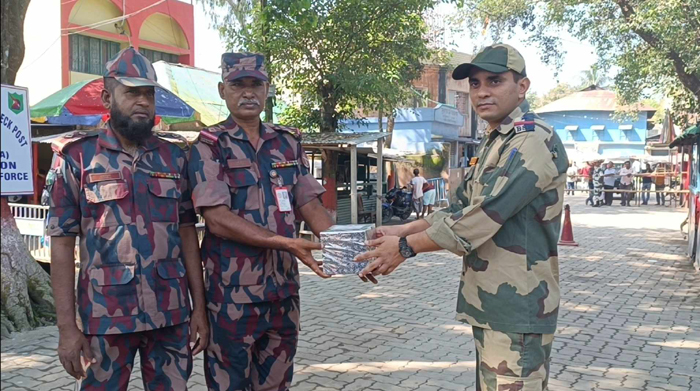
449 115
16 173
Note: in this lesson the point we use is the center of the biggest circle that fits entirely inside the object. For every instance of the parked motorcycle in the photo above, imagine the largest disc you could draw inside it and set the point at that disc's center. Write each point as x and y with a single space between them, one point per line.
397 202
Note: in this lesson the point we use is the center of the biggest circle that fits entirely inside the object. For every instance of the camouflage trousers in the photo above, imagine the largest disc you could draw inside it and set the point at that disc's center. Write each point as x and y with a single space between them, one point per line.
166 359
511 361
252 346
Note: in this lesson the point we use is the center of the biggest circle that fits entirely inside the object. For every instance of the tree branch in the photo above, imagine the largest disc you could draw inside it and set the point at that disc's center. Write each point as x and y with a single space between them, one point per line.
350 40
689 80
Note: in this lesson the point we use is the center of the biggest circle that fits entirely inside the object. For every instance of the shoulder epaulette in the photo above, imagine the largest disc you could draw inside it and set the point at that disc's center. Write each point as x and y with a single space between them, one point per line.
209 136
526 123
293 131
540 122
59 145
175 138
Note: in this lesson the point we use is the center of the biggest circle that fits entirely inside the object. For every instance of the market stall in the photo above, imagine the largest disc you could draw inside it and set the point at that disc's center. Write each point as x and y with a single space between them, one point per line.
690 142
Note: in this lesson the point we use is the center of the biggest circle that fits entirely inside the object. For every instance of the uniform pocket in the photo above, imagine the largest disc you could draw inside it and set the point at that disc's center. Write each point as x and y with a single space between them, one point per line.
109 203
243 271
113 291
171 286
163 199
243 183
520 383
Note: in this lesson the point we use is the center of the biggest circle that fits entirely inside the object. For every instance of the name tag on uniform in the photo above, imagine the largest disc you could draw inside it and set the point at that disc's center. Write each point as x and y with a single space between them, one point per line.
473 161
284 204
107 176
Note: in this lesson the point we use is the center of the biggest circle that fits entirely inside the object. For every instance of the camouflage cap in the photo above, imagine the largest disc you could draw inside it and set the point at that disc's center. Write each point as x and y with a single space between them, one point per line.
132 69
239 65
497 58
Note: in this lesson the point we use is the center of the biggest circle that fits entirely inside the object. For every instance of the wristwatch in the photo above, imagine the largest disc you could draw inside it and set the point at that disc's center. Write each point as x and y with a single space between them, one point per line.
404 249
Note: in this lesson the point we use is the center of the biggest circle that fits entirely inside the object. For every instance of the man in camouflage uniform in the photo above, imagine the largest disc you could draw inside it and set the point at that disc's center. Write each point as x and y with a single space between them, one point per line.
123 190
506 227
251 181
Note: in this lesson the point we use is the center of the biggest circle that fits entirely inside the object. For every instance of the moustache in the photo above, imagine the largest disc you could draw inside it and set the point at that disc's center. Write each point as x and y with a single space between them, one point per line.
248 102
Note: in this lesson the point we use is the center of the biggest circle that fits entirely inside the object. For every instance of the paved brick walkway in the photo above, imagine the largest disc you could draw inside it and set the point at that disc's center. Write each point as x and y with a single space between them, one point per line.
630 320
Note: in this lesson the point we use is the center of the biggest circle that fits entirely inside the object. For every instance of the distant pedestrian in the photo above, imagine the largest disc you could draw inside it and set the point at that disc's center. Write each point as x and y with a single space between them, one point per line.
571 174
587 173
660 184
598 184
636 165
429 194
646 183
609 182
626 173
417 187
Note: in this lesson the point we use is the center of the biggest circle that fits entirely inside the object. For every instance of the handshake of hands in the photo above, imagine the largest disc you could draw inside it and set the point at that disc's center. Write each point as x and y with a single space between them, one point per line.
385 253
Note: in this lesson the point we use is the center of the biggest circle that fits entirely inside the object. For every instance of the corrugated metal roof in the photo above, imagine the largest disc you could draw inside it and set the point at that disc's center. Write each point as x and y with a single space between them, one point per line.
334 139
589 100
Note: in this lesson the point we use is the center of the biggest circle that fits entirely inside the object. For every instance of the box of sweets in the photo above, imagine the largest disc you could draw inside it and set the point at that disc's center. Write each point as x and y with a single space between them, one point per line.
341 244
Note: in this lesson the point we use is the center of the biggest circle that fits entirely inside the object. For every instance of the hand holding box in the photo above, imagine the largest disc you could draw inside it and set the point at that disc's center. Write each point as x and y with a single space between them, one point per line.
341 244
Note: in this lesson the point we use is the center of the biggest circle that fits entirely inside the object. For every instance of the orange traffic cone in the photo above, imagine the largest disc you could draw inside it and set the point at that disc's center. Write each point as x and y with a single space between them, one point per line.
567 234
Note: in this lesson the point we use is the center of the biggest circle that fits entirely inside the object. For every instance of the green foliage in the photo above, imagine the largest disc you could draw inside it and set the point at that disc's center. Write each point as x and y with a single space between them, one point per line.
594 77
654 44
335 56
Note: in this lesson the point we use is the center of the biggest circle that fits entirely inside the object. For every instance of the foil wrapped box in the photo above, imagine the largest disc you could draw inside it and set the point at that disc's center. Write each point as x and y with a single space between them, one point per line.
341 244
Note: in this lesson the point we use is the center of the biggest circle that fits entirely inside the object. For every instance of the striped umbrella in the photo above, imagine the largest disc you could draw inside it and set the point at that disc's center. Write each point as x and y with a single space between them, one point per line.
81 104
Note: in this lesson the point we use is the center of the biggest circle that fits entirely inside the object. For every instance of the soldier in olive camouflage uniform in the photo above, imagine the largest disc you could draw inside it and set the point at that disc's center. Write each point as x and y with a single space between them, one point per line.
251 181
506 227
123 191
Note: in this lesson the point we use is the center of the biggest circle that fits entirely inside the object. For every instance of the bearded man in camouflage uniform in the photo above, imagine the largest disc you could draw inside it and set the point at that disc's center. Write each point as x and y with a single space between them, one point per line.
506 227
123 190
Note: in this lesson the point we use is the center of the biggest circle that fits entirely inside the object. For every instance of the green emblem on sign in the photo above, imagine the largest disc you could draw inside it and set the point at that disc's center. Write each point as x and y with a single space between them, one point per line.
15 102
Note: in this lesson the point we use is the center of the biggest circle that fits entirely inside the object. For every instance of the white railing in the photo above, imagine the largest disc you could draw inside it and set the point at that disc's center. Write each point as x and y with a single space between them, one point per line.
37 248
30 222
28 211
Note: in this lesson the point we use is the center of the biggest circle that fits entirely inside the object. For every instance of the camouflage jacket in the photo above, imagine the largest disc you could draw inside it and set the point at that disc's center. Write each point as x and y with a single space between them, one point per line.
508 229
127 212
225 169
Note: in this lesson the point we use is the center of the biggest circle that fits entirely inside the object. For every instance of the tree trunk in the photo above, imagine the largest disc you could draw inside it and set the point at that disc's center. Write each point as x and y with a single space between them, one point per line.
270 101
329 124
330 170
13 12
690 80
26 300
390 121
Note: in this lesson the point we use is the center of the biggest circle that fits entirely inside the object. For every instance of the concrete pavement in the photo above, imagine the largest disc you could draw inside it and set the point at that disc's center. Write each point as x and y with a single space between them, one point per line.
629 320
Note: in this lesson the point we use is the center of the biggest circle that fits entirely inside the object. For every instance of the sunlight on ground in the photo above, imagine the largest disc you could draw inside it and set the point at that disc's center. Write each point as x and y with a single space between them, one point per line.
390 366
580 307
460 328
13 361
693 345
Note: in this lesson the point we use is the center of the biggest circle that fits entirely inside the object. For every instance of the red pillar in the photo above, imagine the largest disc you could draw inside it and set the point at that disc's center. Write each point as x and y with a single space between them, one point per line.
330 197
35 168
